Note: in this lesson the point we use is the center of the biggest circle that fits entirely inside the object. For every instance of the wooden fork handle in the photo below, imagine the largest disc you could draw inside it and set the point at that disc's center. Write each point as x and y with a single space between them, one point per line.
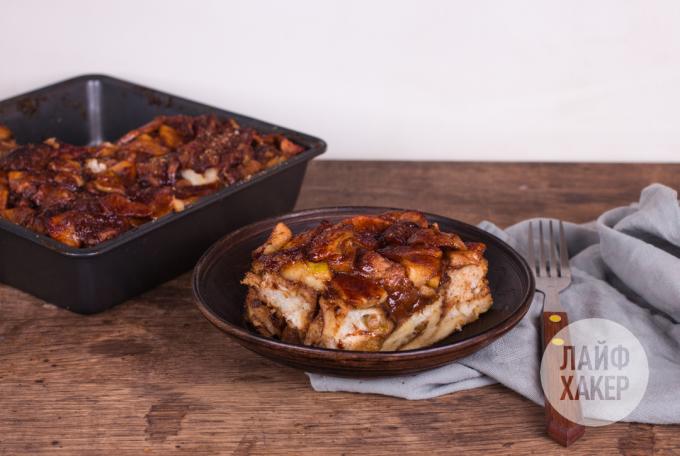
560 429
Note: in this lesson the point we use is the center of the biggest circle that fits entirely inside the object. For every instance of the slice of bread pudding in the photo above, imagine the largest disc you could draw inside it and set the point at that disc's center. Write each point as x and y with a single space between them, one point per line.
371 283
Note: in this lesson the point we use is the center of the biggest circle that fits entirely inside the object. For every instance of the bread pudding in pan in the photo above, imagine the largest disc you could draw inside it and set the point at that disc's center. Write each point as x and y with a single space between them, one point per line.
85 195
369 283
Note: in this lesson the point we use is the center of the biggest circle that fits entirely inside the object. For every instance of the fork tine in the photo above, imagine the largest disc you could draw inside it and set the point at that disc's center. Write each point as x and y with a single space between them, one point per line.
542 261
552 245
564 253
530 248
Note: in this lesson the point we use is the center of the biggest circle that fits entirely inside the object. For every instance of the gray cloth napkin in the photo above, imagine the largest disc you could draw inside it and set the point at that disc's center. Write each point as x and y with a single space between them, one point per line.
626 268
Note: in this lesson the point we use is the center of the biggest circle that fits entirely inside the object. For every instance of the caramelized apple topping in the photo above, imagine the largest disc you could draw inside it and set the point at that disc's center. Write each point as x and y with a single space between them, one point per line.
85 195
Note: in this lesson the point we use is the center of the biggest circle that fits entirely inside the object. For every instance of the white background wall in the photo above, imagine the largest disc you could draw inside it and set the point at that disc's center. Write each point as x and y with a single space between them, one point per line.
445 80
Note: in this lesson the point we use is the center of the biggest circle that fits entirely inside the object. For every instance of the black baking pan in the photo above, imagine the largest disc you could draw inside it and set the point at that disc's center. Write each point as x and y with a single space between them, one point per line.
93 108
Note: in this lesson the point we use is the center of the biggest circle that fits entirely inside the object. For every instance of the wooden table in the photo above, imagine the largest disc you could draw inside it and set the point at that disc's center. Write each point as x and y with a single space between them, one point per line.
152 376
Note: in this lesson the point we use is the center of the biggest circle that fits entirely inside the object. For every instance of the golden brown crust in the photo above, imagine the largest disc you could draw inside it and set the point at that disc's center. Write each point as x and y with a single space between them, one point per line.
82 196
7 142
382 282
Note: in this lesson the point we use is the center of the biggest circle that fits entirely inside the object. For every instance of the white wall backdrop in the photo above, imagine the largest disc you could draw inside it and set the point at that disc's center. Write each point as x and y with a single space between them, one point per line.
436 80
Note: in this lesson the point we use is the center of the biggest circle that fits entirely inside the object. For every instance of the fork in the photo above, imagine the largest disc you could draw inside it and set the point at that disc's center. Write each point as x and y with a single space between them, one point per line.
553 275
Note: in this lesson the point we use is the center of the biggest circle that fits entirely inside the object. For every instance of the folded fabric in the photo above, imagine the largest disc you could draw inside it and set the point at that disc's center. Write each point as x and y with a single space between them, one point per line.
626 268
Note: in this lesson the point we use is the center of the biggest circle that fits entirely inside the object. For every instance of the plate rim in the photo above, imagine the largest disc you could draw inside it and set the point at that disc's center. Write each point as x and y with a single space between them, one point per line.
244 335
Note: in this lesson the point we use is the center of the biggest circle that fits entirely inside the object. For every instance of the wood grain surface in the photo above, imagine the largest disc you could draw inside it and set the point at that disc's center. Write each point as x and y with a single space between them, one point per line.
152 376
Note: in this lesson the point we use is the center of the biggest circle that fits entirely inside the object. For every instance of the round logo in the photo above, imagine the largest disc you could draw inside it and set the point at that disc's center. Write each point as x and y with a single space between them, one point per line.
594 372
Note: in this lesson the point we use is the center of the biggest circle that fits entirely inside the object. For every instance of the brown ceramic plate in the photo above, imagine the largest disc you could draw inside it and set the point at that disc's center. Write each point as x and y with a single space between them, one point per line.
220 297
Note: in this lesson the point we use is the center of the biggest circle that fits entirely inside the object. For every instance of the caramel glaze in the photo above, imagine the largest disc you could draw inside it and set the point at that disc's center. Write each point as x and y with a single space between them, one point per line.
82 196
370 258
